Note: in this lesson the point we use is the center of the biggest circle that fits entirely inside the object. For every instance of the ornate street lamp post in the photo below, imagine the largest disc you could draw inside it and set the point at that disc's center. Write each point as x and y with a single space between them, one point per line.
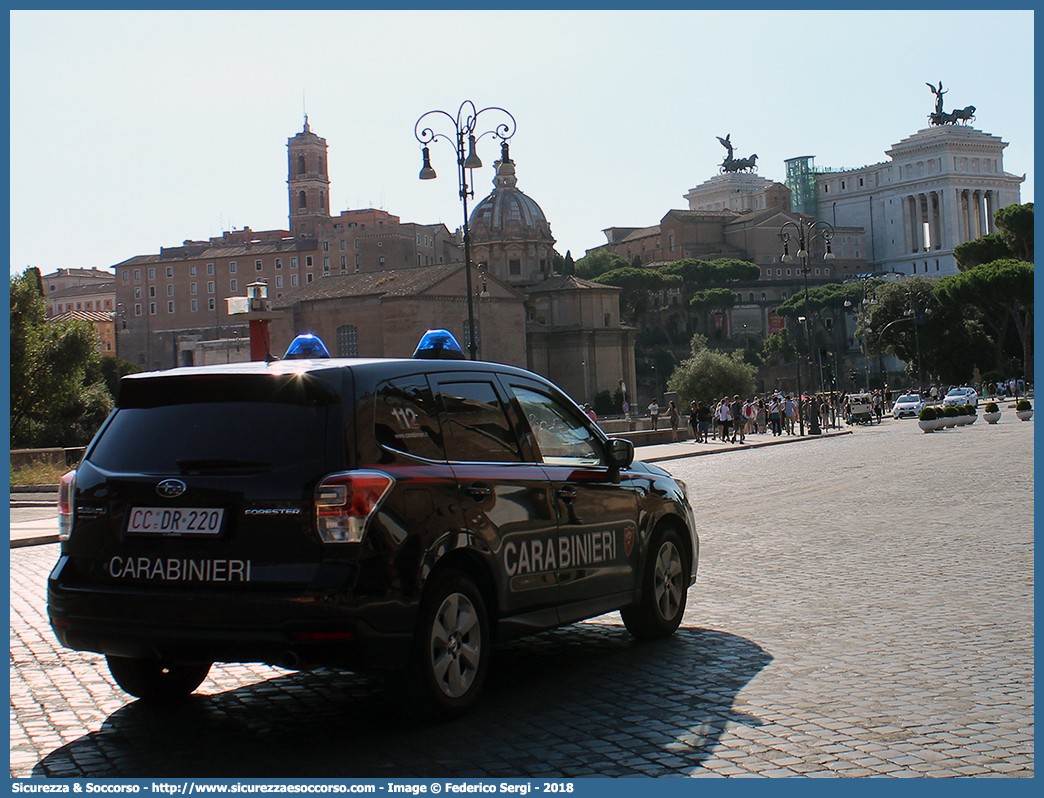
806 234
464 124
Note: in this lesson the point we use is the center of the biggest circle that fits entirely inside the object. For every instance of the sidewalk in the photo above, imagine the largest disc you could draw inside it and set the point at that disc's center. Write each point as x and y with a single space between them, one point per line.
673 451
45 530
34 533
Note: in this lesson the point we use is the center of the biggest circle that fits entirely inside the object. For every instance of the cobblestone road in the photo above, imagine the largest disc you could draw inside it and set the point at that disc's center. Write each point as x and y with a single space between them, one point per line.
864 608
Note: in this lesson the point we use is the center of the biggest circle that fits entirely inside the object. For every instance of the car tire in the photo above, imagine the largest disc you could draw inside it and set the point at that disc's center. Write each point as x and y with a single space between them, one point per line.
664 586
451 647
157 680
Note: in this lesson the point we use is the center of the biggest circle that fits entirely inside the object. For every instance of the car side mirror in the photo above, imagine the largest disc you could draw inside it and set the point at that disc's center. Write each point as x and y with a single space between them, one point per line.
621 452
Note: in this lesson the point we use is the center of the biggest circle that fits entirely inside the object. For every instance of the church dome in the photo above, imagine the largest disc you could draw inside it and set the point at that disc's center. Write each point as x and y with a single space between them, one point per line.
509 233
506 210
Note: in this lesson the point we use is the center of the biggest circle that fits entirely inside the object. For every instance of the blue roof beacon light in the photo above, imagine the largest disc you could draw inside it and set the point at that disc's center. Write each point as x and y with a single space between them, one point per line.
306 347
438 345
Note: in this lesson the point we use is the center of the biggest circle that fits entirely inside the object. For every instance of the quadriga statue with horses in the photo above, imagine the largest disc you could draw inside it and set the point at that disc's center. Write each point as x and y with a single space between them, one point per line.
940 117
731 164
961 115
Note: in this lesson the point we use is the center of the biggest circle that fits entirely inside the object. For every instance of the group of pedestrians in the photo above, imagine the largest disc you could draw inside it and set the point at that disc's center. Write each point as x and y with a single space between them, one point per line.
731 420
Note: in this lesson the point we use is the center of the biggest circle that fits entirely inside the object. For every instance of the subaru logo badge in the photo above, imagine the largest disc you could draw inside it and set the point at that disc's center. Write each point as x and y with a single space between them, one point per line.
169 488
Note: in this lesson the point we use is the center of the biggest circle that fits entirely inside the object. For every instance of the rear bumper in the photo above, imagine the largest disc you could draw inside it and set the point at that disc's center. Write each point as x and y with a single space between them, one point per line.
295 631
358 648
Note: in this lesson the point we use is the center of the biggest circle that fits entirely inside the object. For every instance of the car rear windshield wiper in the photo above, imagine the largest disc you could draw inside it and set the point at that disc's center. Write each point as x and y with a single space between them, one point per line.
223 466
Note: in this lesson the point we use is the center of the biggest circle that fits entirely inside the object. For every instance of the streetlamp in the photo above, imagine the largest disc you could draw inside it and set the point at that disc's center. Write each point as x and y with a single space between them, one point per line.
482 294
906 317
119 326
806 234
800 411
464 124
865 303
917 316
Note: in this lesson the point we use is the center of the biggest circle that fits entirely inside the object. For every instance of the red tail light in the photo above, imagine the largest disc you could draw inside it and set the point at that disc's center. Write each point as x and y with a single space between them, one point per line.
345 502
66 488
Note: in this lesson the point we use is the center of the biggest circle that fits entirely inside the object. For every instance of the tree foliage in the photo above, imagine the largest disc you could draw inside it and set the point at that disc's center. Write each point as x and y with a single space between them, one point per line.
982 250
599 262
780 343
52 402
1002 293
1016 228
636 284
711 299
951 338
709 375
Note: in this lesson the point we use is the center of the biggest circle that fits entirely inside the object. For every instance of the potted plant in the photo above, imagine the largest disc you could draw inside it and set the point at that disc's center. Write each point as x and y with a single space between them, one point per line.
927 418
1023 410
950 414
992 414
971 413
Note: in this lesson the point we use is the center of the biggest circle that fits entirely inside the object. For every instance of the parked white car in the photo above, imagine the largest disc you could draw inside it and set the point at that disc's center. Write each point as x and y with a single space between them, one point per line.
961 396
909 404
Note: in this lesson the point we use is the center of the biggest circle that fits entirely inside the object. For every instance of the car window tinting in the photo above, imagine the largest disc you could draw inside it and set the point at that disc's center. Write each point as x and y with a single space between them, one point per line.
226 437
271 388
561 436
477 428
405 418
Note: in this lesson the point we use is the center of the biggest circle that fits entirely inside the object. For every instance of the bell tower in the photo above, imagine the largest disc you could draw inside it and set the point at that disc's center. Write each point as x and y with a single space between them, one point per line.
307 182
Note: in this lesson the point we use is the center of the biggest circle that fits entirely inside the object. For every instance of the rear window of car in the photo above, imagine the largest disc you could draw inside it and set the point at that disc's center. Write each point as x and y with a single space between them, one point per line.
231 426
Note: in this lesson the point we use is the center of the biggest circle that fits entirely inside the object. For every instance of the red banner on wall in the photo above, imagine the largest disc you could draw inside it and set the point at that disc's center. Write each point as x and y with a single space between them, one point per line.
775 322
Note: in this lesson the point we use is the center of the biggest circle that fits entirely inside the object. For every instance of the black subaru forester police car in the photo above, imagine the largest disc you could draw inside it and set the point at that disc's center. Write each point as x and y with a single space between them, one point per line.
389 515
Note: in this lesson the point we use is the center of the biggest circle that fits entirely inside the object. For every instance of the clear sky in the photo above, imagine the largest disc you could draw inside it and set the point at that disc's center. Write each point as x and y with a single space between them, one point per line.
135 130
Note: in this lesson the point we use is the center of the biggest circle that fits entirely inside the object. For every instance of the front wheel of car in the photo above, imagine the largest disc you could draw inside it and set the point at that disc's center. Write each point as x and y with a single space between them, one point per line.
451 648
157 680
664 586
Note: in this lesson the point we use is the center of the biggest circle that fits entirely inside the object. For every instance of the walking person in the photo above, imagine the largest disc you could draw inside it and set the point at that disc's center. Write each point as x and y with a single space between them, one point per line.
761 417
738 422
654 413
775 412
674 417
788 414
694 421
724 416
749 414
703 418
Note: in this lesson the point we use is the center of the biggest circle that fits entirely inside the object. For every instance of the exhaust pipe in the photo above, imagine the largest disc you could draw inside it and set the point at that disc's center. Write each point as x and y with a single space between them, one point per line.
290 660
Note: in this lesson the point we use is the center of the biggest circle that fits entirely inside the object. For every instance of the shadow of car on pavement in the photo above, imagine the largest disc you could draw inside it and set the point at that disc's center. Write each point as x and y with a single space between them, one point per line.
585 700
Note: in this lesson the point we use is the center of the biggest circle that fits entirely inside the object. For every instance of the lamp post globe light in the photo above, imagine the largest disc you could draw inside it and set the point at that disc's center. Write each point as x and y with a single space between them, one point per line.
807 233
463 129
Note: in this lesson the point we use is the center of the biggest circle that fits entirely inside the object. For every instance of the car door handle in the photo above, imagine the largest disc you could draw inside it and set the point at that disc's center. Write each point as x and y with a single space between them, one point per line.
479 492
566 494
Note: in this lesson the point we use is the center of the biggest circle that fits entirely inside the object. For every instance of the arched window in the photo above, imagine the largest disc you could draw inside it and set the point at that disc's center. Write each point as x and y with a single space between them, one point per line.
301 165
763 297
302 200
751 300
348 341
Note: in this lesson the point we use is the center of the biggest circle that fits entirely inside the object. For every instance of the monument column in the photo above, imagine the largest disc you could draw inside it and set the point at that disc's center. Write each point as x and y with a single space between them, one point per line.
931 207
911 216
990 210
